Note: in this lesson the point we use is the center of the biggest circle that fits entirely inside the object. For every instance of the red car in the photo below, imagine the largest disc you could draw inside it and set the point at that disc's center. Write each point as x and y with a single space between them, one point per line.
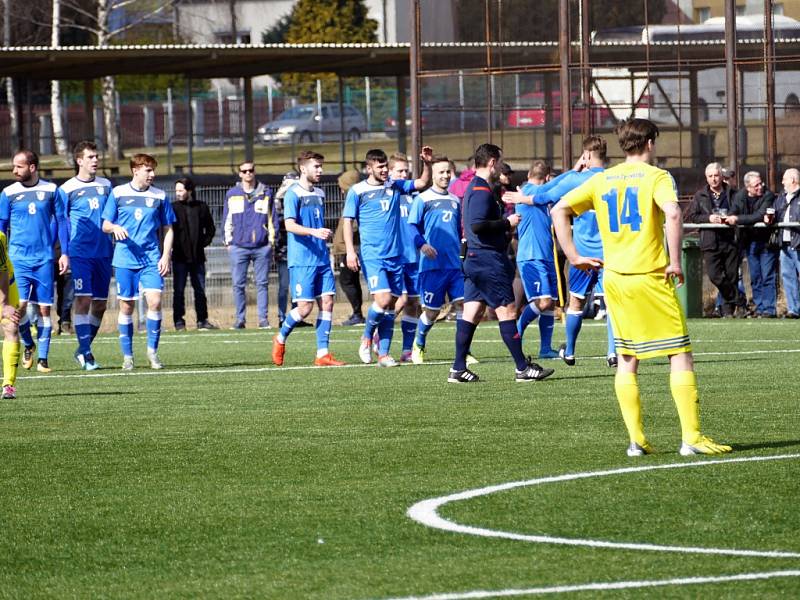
531 111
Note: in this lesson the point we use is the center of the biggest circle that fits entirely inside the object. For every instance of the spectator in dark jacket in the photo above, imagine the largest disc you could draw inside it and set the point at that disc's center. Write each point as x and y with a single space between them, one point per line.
787 210
250 223
194 230
712 204
748 208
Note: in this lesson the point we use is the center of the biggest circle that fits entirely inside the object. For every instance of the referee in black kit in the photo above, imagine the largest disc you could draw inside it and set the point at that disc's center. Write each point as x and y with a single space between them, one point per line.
488 272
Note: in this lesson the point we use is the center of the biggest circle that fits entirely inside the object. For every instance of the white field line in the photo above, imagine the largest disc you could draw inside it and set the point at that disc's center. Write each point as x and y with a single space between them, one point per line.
426 511
223 370
602 586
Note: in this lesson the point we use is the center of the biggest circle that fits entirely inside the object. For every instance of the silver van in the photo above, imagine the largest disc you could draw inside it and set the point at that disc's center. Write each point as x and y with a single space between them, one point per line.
304 123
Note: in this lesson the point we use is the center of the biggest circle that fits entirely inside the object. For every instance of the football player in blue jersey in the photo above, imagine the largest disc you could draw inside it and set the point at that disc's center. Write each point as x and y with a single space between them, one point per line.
436 221
587 237
408 303
31 209
137 213
83 199
375 205
310 273
536 259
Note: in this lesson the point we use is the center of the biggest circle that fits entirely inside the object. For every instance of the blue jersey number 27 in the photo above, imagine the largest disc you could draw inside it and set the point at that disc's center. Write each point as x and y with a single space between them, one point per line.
630 210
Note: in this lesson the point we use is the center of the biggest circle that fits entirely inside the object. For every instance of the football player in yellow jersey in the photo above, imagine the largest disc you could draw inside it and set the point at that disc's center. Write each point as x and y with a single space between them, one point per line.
634 201
9 317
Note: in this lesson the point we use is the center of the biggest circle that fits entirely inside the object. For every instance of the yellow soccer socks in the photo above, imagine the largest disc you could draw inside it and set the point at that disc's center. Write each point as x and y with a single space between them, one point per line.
683 385
10 362
626 386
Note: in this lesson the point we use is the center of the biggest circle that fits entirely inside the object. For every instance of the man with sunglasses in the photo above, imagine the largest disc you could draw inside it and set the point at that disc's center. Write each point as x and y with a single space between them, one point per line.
250 223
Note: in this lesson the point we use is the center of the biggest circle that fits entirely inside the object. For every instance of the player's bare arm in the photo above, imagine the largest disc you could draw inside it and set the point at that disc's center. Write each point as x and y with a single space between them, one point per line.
424 180
562 223
517 197
119 232
674 230
352 256
294 227
166 255
63 264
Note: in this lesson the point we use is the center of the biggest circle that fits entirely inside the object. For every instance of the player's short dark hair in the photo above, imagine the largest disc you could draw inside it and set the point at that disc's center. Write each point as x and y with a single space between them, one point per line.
486 152
396 158
376 155
539 169
77 151
440 158
596 144
246 162
138 160
633 135
187 183
307 155
30 156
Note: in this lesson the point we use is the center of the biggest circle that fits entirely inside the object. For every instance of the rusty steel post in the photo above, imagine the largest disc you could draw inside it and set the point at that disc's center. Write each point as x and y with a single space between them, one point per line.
565 100
731 92
769 73
416 128
586 81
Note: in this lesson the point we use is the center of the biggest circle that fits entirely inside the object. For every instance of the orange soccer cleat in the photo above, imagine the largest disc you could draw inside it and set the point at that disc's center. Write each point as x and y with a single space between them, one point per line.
327 361
278 351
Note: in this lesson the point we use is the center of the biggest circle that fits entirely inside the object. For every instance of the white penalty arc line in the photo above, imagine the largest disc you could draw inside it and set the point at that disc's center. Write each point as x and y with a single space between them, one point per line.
600 586
426 511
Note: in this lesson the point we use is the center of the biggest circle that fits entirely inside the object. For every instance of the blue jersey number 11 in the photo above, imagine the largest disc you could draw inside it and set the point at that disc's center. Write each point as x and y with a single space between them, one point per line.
630 210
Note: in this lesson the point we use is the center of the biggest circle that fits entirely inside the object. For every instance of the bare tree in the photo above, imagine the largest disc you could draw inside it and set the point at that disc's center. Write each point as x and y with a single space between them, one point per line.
11 97
55 89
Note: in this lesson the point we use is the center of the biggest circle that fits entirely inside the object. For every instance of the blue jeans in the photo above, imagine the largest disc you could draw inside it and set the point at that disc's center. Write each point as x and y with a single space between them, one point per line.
197 273
762 263
790 266
283 289
240 262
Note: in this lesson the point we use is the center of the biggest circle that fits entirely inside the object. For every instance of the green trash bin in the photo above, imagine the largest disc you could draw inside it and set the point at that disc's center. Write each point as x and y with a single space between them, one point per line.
690 293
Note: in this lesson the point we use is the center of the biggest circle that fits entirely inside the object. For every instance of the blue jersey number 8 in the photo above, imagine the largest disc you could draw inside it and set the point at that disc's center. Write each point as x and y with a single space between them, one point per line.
630 210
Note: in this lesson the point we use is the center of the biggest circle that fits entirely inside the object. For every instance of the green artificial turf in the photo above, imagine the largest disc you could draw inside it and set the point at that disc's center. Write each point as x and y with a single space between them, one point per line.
225 477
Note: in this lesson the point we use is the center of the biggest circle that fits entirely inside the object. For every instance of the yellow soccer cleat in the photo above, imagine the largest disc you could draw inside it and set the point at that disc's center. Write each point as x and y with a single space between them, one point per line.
703 445
417 354
471 360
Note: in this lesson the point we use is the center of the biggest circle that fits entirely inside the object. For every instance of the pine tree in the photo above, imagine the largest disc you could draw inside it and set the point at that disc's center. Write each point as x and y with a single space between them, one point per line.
325 21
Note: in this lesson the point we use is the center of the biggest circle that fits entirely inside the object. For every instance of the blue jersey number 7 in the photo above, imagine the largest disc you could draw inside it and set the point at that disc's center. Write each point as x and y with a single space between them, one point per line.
630 210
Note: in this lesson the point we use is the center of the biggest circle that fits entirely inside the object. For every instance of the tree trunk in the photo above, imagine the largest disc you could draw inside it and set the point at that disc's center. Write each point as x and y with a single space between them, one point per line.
11 97
55 91
108 85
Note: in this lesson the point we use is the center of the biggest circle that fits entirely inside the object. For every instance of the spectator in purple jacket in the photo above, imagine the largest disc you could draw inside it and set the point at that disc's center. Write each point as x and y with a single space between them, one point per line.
250 224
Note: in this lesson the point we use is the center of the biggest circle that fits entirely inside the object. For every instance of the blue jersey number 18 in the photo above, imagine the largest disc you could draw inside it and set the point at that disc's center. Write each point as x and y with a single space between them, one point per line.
630 210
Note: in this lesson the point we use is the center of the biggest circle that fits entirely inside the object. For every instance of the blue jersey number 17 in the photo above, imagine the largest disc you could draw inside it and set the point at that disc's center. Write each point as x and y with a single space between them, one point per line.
630 210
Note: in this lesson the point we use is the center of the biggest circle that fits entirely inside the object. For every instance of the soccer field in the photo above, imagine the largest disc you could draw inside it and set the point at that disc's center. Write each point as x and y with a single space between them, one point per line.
225 477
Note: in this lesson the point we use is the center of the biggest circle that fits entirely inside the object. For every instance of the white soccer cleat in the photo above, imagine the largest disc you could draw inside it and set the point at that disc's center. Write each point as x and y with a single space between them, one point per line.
636 450
471 360
155 362
365 351
127 363
387 361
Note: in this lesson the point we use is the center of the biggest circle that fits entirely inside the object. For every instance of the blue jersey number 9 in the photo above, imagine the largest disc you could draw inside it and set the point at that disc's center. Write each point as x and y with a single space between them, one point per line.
630 210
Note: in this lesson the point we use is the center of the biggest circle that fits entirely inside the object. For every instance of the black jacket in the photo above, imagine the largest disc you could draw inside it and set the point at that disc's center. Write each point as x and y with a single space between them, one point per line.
699 211
751 211
194 230
793 207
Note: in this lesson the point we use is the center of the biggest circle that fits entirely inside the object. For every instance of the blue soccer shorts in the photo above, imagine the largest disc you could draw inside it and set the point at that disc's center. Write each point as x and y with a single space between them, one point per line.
538 279
384 275
310 282
581 283
435 284
411 276
35 283
128 281
91 276
488 278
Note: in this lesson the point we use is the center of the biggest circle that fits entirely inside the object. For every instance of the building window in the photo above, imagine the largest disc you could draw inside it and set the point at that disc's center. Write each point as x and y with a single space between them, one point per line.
777 8
225 37
702 14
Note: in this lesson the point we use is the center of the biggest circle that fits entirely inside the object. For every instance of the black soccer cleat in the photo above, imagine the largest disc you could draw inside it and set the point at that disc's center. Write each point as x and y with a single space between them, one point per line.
465 376
533 372
562 352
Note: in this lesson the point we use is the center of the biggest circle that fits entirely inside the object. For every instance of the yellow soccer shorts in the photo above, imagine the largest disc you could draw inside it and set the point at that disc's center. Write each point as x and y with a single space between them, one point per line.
645 314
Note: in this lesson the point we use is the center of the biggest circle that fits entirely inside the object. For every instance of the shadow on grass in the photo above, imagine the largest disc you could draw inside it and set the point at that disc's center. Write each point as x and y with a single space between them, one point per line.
763 445
84 394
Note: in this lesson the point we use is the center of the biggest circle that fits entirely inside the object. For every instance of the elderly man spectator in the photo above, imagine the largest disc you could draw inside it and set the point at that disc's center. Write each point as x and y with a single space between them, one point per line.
787 210
250 223
712 204
749 207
